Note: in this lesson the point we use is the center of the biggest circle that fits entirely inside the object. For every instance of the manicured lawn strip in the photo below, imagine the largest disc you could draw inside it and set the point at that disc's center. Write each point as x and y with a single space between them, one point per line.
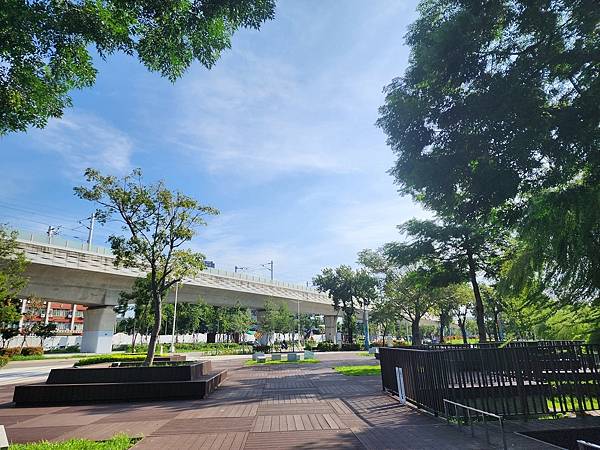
372 355
38 357
270 362
119 442
358 371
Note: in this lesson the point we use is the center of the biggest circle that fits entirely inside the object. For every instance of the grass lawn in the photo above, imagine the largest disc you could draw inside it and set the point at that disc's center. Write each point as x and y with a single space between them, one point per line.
358 371
271 362
372 355
119 442
460 341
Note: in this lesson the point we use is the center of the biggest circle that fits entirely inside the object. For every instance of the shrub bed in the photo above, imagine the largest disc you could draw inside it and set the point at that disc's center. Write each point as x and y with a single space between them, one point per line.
11 351
221 348
32 351
109 358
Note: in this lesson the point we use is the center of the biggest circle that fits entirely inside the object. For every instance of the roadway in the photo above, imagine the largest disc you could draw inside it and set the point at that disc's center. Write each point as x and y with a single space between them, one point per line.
25 372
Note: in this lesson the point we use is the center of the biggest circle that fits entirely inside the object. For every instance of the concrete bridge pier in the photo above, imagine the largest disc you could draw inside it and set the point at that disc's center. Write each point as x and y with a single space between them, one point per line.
331 328
98 329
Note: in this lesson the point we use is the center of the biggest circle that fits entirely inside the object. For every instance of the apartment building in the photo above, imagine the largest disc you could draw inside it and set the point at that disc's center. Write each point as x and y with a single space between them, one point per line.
67 318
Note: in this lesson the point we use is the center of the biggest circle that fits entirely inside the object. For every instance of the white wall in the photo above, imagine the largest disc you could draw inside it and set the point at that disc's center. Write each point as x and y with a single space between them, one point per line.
122 338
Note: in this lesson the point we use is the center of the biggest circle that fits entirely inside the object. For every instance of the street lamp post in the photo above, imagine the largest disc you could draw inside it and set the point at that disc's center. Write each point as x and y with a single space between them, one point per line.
366 323
174 319
299 335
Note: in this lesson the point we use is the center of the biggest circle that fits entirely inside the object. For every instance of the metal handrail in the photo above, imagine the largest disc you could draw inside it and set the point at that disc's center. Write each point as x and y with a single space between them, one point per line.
470 421
583 445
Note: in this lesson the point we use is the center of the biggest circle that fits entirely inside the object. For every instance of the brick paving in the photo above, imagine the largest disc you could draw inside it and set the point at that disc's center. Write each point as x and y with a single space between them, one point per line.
305 406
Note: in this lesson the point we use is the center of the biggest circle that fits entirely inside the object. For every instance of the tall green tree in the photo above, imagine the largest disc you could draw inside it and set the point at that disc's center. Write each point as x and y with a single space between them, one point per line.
412 296
385 315
12 266
497 117
348 289
366 289
189 318
411 285
458 251
47 47
239 320
269 322
12 281
156 223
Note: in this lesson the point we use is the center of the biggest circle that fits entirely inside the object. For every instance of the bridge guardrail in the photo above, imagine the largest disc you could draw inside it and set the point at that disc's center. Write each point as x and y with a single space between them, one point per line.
57 241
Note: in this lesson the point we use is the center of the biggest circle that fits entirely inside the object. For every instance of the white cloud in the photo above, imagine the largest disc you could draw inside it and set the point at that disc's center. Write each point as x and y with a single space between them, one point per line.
84 140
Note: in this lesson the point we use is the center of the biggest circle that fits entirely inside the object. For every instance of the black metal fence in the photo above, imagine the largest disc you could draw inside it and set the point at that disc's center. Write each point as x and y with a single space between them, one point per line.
515 380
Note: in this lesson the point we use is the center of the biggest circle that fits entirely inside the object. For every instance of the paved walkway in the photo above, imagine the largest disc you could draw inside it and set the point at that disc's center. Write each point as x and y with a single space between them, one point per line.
305 406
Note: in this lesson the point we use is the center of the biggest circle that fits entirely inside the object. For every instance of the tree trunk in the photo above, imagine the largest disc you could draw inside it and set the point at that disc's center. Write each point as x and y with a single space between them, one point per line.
479 312
496 326
443 318
349 328
416 333
462 324
156 303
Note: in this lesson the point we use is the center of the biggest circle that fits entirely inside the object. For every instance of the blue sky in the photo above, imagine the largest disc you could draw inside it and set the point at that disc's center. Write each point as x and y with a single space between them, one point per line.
279 136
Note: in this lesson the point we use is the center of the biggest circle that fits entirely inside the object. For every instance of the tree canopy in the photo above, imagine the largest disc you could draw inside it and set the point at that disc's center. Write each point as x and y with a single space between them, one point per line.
500 98
46 46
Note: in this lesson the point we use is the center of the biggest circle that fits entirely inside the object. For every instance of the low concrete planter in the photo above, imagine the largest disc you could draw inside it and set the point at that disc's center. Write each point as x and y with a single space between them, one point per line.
276 356
184 372
121 384
295 356
256 355
308 354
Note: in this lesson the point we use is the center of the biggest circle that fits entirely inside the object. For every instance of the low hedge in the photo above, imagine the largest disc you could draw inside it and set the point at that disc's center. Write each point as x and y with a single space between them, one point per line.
262 348
328 346
350 347
4 360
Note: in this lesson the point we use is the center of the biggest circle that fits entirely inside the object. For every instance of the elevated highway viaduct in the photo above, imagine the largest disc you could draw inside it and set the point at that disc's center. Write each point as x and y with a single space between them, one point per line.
69 272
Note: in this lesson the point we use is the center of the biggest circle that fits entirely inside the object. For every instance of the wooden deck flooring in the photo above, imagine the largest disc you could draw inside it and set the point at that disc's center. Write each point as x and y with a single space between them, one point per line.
259 407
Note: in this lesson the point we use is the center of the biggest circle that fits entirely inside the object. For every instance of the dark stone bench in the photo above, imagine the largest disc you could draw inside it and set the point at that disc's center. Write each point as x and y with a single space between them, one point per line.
121 384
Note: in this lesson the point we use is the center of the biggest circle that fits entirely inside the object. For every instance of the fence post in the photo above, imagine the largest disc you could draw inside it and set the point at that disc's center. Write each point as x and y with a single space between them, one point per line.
400 383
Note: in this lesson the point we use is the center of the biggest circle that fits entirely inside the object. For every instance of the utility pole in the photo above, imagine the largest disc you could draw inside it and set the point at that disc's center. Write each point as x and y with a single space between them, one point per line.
51 232
91 231
269 267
